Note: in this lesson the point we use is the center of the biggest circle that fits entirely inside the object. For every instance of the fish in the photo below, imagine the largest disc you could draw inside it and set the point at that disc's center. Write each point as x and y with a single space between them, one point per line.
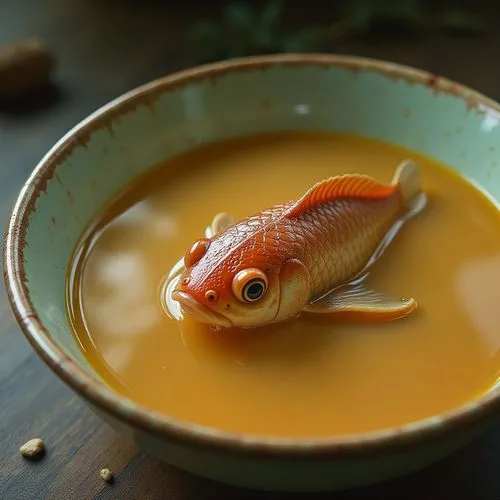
310 255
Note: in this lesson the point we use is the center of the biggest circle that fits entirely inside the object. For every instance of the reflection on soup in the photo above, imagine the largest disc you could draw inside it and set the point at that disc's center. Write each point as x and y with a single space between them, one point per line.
312 376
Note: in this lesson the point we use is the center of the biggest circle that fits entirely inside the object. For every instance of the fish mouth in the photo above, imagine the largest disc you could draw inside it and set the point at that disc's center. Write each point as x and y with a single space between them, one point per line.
198 311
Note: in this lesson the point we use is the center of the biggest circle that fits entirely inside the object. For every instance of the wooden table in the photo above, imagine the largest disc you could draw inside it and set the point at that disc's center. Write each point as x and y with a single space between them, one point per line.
105 48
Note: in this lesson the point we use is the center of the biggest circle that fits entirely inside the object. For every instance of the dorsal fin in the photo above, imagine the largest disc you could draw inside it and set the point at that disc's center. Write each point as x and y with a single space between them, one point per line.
344 186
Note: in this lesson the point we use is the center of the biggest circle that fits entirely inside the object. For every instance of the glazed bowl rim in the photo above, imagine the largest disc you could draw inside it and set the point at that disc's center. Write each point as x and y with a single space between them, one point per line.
103 397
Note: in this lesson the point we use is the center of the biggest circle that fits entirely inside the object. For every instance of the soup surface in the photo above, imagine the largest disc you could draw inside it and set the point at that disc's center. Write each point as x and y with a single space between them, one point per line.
314 376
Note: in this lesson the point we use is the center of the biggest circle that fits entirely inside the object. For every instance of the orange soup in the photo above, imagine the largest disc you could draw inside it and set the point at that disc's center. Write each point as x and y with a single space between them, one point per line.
313 376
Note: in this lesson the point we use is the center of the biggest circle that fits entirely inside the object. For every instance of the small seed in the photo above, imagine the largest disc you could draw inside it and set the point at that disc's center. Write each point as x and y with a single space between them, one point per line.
107 475
33 448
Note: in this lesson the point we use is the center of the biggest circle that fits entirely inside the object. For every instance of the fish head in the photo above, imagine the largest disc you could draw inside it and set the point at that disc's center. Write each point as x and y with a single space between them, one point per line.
228 287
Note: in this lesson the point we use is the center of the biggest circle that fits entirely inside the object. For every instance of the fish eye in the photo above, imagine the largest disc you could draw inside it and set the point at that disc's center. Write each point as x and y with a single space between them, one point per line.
254 290
249 285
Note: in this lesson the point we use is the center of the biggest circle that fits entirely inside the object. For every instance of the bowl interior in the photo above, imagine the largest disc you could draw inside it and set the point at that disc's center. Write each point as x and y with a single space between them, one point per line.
163 119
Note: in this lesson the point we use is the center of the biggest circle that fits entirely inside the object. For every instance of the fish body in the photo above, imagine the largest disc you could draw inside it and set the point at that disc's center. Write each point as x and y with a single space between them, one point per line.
299 256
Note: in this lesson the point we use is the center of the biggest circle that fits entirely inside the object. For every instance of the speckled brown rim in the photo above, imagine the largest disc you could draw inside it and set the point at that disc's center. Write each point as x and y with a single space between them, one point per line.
101 396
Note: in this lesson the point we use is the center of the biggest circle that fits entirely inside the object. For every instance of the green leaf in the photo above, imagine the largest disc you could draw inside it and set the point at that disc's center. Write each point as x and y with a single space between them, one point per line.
240 17
306 40
242 32
362 15
461 22
408 11
207 41
272 14
358 14
204 32
266 41
239 26
267 33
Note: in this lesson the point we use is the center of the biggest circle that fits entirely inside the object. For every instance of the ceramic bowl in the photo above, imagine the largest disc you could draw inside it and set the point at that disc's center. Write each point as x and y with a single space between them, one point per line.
122 140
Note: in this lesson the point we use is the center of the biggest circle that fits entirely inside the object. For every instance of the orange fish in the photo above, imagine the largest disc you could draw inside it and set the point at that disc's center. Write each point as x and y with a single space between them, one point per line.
308 255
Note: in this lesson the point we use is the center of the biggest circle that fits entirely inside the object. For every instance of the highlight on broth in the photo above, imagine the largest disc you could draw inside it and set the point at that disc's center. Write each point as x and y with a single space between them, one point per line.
317 374
307 255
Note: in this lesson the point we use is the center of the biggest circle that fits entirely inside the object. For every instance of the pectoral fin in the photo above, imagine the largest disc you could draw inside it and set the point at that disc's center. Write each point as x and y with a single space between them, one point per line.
220 222
360 302
294 289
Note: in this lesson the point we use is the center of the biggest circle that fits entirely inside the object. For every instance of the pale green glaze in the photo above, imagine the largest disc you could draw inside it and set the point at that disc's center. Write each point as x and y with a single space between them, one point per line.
292 96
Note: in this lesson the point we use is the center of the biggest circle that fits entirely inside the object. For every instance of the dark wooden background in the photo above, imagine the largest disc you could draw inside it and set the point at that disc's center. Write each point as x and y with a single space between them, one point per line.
106 47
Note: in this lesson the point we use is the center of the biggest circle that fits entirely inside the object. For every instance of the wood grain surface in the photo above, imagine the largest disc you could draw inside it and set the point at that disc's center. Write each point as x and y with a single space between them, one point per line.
106 47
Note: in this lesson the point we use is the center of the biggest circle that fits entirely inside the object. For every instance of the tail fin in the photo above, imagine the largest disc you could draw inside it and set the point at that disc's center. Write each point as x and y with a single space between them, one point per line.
407 177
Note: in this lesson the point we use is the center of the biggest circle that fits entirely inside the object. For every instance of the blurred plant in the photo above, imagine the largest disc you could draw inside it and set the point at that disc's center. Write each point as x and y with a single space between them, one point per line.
455 21
243 30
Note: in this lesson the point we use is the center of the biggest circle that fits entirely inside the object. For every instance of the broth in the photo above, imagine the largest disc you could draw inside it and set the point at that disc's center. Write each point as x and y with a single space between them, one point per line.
313 376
